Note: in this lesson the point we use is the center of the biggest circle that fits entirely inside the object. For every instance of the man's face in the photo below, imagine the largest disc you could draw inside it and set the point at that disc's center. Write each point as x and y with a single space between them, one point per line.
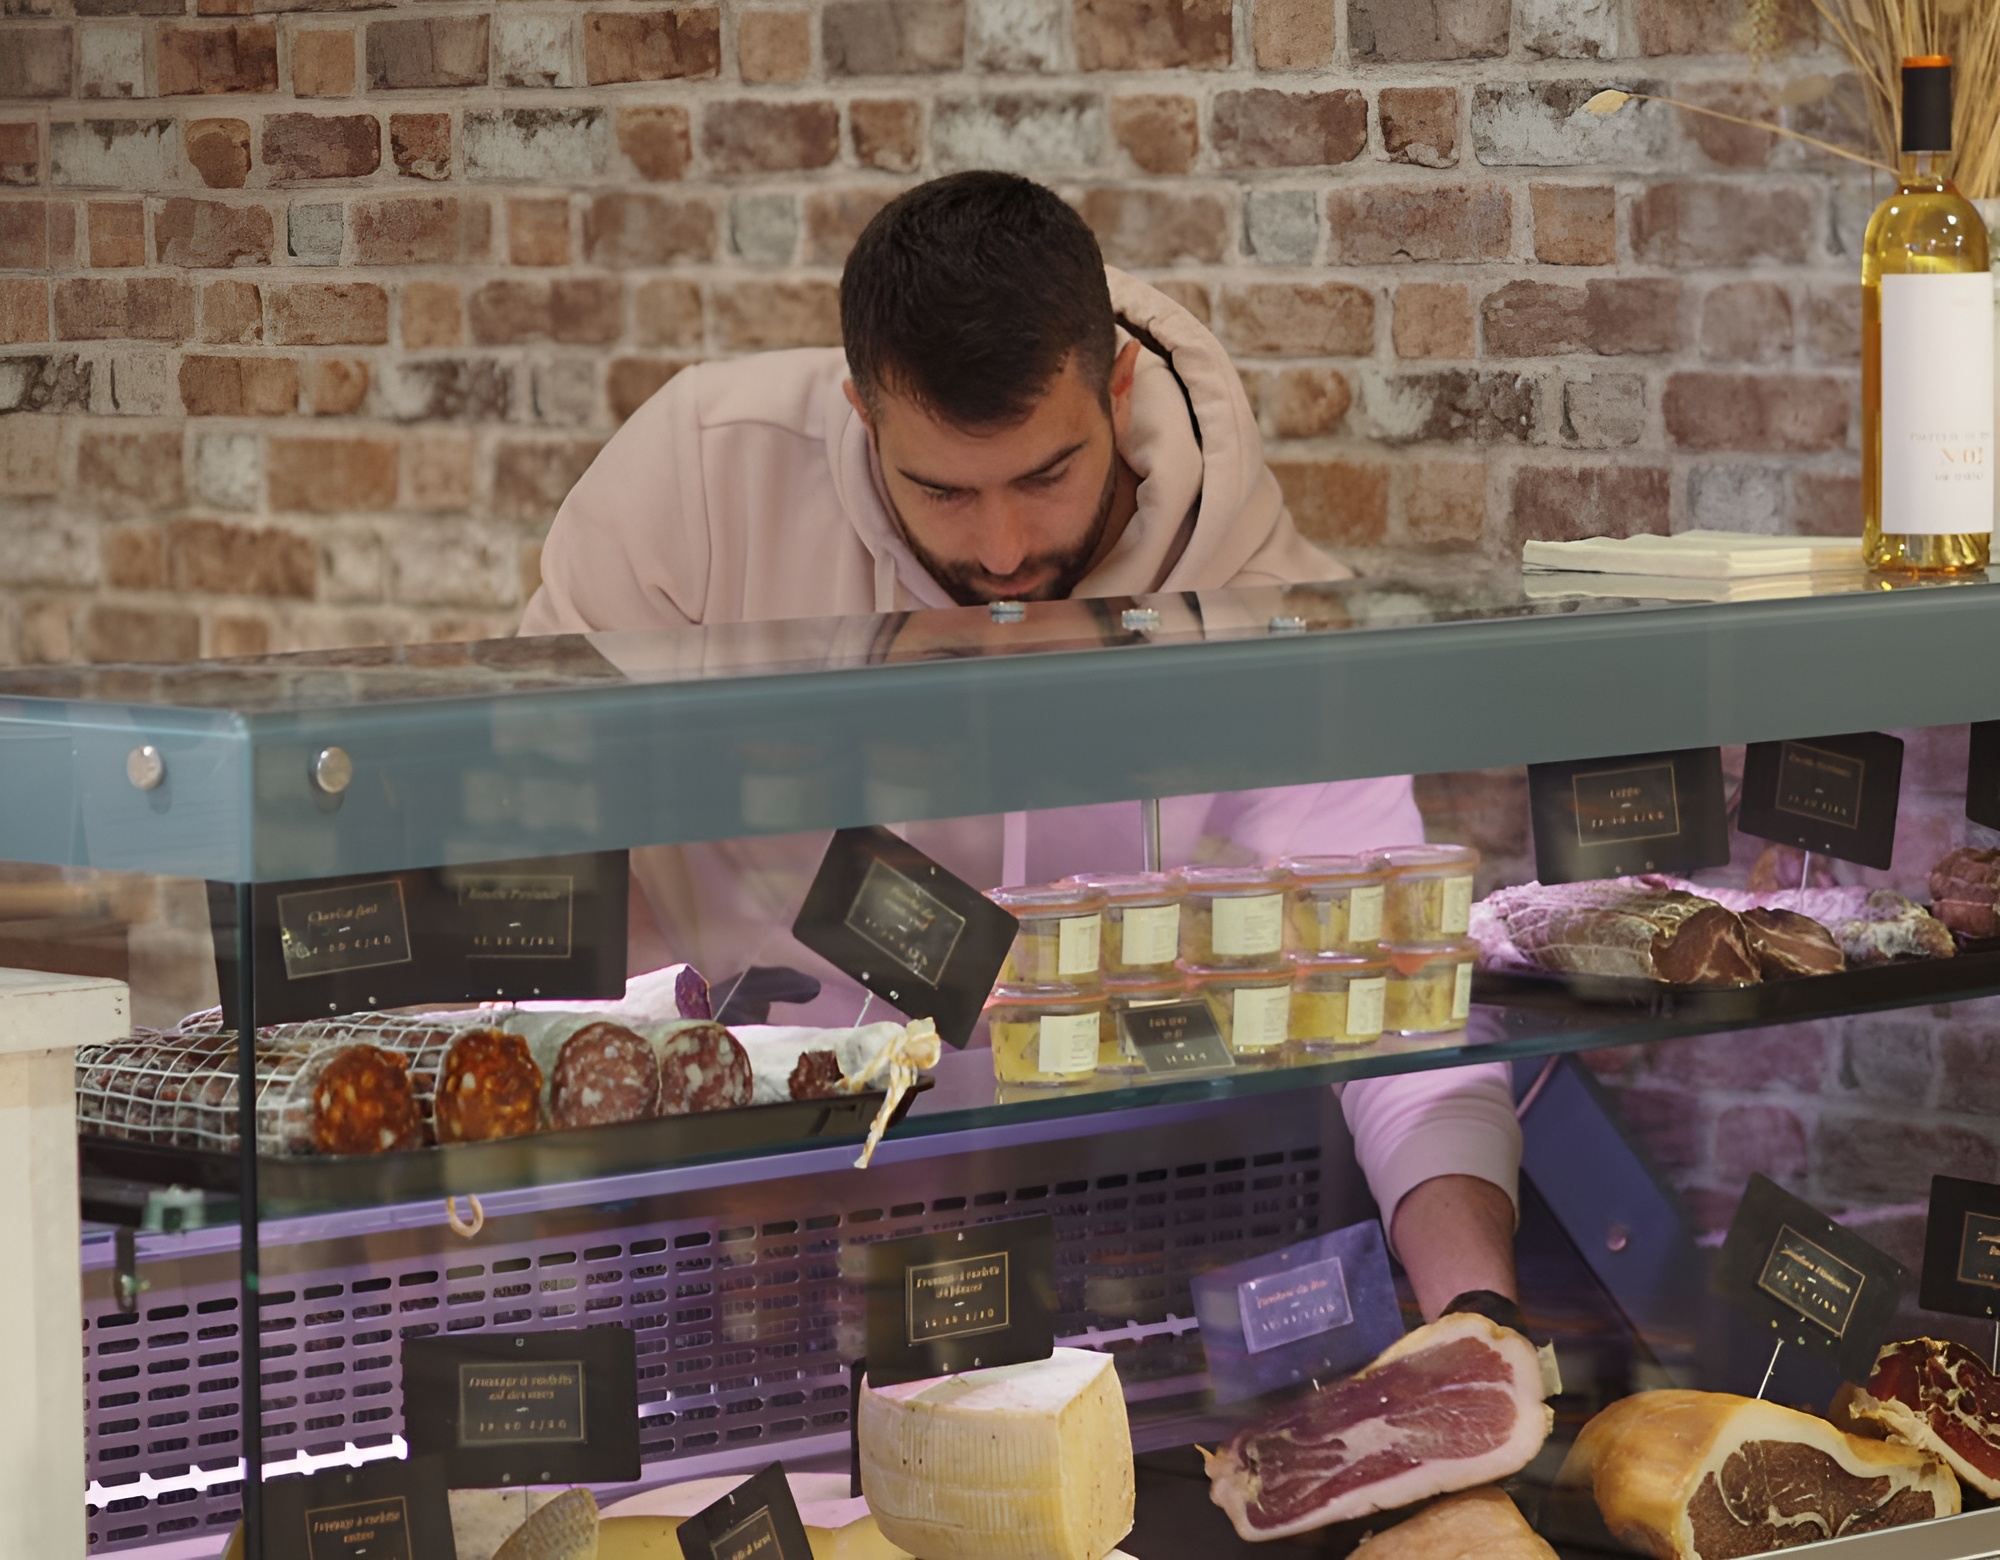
1011 513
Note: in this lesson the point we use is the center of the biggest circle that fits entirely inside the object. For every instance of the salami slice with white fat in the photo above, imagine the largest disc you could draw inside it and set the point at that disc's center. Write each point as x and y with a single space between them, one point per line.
604 1073
702 1068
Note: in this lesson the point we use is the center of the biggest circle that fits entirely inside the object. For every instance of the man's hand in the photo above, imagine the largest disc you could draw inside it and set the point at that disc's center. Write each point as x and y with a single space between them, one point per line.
1454 1233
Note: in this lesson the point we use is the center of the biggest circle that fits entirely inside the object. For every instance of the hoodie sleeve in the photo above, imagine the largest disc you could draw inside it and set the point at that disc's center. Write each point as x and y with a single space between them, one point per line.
630 547
1411 1127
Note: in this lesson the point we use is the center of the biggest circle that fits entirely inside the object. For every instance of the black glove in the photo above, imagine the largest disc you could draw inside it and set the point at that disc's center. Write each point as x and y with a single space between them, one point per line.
748 997
1496 1308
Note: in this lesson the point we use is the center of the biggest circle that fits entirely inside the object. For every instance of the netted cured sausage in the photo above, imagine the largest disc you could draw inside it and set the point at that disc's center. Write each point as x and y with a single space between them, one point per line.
362 1104
489 1087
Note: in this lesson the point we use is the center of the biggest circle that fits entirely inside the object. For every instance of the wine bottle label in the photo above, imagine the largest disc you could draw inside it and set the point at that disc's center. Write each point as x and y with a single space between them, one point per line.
1937 404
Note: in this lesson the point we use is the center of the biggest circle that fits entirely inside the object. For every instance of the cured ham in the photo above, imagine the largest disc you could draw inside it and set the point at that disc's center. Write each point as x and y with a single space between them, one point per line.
1965 892
1787 943
1623 926
1942 1398
1711 1476
1872 925
1480 1524
1452 1405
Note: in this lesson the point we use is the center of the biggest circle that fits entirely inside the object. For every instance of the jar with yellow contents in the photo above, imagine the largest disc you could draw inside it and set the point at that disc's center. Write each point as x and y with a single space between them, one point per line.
1115 1054
1338 999
1061 939
1430 987
1252 1008
1335 904
1047 1035
1428 897
1233 917
1142 922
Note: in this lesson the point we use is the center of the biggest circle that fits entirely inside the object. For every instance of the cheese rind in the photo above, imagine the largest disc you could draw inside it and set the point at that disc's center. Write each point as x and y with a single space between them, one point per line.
643 1526
1022 1462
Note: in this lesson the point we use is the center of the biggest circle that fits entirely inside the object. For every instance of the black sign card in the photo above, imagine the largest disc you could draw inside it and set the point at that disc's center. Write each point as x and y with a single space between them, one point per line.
1176 1037
758 1520
1961 1275
919 938
1647 812
1982 774
1835 795
386 1510
1821 1287
961 1300
525 1408
516 930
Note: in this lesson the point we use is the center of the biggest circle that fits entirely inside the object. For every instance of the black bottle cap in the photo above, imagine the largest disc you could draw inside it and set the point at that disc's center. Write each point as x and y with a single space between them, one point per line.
1927 104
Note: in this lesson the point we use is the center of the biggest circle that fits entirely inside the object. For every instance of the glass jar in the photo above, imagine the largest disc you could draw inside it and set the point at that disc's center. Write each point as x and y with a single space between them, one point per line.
1233 917
1252 1008
1142 922
1430 988
1338 999
1336 903
1061 936
1429 898
1046 1035
1114 1053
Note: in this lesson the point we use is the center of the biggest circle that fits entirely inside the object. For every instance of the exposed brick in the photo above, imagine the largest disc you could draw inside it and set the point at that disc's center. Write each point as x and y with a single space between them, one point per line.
633 380
764 227
122 155
450 390
1378 223
756 316
1568 503
1824 503
1885 1159
1289 319
531 479
1688 26
1458 405
887 133
36 62
584 309
148 308
148 635
135 558
220 151
1302 403
24 235
751 135
834 220
328 476
1723 142
438 470
773 46
117 233
1443 502
1261 128
1756 411
1336 502
1159 133
1699 222
1833 323
239 386
241 560
232 313
319 314
209 233
1416 30
1153 34
656 140
419 230
335 386
538 230
891 37
666 312
1432 320
627 229
535 145
1602 411
20 154
651 45
230 634
1149 227
30 448
1746 322
430 51
316 233
432 315
314 146
1018 130
421 145
1547 319
24 310
1420 125
130 474
46 382
1575 224
232 57
1791 1056
1292 34
323 62
1666 1124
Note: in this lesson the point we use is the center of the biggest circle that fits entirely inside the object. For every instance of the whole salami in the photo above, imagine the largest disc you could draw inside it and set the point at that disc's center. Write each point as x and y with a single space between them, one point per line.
702 1068
604 1073
489 1087
362 1104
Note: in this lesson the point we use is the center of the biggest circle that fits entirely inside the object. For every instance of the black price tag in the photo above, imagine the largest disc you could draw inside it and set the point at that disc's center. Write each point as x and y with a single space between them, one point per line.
387 1510
1818 1285
758 1520
517 931
1982 774
961 1300
1610 817
1176 1037
1961 1275
922 940
1835 795
526 1408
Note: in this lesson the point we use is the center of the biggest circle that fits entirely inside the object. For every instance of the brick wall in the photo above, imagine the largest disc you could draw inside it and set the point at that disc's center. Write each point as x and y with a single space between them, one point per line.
311 310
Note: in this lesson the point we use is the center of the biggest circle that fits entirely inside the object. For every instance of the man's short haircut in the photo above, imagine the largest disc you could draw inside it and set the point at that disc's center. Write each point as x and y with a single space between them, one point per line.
967 294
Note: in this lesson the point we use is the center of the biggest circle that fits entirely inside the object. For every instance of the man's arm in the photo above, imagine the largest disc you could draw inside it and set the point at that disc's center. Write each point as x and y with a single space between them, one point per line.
1455 1233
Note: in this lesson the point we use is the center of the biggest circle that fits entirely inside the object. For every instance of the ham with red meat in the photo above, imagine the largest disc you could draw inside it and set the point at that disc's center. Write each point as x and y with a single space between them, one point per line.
1941 1398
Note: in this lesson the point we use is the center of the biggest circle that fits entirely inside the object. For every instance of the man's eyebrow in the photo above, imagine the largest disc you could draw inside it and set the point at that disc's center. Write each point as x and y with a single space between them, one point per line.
1048 465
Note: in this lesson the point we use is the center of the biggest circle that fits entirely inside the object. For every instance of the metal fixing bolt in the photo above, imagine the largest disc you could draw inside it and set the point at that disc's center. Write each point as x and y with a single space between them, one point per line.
332 770
145 767
1007 611
1139 617
1284 623
1617 1238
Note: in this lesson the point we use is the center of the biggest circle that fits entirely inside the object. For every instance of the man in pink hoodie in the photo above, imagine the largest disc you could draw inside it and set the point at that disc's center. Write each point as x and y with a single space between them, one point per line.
1008 420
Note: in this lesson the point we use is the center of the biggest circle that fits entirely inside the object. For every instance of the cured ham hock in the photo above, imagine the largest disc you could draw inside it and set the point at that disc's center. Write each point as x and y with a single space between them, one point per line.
1941 1398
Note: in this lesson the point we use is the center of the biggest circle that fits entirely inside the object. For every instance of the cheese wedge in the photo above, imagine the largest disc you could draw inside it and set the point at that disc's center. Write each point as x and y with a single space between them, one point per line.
1022 1462
643 1527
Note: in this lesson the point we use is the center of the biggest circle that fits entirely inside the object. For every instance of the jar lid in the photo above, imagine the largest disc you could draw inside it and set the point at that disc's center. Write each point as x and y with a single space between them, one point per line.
1425 858
1230 880
1337 963
1326 868
1408 958
1047 899
1144 990
1119 887
1212 974
1045 996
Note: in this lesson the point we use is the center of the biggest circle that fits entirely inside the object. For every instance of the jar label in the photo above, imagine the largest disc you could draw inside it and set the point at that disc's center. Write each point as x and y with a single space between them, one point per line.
1068 1043
1937 404
1248 927
1364 915
1461 993
1149 935
1457 913
1260 1017
1365 1006
1076 944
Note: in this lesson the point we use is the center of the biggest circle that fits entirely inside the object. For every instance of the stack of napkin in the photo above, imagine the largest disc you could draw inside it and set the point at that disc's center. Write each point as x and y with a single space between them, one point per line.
1694 566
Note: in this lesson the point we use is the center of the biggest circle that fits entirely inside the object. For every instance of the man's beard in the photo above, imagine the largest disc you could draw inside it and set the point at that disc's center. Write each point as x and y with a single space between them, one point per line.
971 586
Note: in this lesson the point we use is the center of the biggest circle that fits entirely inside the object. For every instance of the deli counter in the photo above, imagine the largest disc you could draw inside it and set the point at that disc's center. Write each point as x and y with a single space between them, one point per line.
637 1015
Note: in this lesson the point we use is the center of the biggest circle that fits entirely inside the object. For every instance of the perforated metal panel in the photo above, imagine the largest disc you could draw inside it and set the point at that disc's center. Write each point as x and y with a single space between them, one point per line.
744 1300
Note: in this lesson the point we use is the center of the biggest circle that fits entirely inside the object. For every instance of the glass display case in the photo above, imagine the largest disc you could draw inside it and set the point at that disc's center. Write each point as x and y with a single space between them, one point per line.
366 856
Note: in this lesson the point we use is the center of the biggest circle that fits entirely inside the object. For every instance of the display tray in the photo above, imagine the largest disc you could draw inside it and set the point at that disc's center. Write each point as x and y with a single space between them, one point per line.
323 1184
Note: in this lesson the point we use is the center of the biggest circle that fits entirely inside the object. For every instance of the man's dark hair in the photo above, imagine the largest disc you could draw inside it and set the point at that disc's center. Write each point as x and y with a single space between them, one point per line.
967 294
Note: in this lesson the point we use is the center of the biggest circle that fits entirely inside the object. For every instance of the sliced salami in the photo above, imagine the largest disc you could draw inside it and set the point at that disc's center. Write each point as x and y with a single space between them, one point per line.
604 1073
816 1076
363 1104
489 1087
702 1068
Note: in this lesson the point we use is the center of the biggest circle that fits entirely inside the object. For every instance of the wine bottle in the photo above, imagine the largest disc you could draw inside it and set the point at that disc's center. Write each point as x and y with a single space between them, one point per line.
1926 355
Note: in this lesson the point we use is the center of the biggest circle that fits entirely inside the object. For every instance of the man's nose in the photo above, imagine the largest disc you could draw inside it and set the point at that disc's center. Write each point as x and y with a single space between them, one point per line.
1003 544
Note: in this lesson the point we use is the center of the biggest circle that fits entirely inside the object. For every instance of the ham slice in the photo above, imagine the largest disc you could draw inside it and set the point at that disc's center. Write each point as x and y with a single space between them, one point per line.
1451 1405
1787 943
1625 926
1941 1398
1965 892
1481 1524
1711 1476
1872 925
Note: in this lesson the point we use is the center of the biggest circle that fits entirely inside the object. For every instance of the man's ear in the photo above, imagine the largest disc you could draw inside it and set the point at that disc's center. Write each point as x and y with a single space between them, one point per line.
1123 368
860 406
